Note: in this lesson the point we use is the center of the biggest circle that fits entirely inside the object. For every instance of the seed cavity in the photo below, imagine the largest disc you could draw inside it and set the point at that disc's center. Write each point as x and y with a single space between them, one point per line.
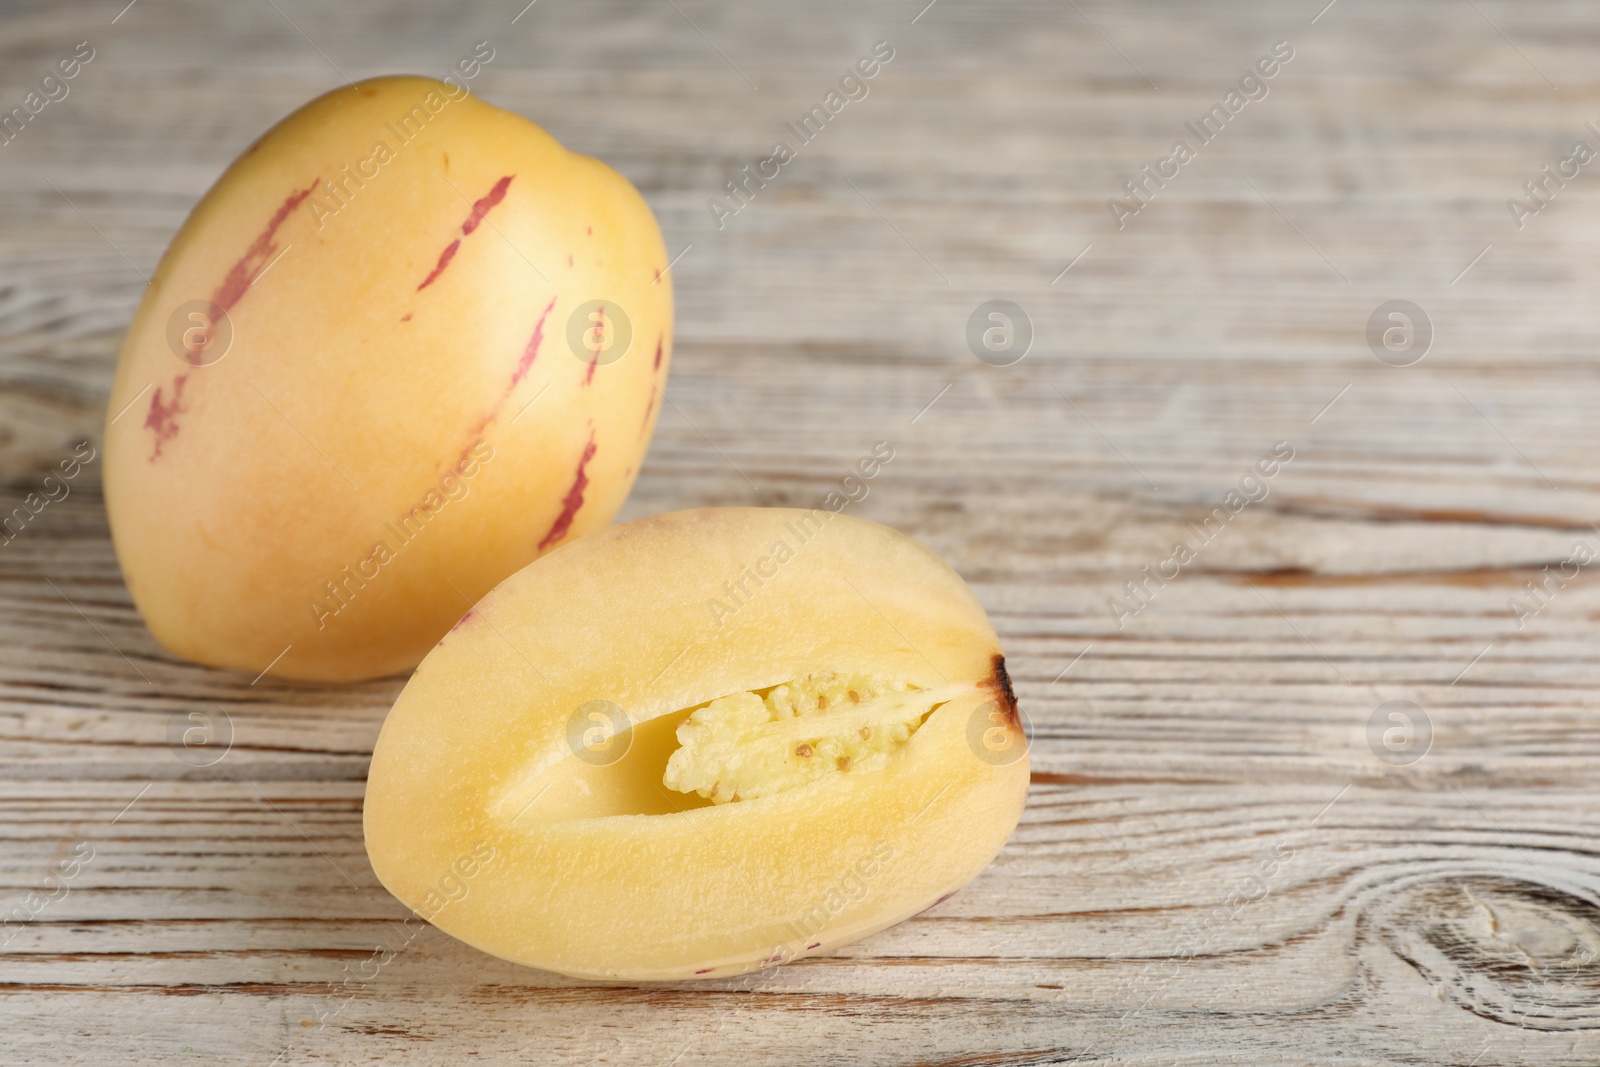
760 742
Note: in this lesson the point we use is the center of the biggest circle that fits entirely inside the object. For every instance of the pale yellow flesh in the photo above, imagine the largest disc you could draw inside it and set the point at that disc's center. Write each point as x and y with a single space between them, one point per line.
348 394
603 872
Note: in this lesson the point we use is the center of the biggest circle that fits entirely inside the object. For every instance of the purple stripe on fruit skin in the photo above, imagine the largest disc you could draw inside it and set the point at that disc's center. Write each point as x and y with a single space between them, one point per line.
574 498
445 257
162 416
480 208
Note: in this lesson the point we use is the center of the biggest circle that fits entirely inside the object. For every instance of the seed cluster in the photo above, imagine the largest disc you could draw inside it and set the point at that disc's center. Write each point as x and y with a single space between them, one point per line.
754 744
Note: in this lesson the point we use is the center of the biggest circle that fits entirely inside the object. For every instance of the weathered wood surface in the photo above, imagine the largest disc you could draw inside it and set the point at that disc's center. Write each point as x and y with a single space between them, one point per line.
1215 865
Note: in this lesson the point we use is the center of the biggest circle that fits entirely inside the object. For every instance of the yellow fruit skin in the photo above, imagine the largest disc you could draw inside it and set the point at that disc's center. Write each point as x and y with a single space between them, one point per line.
600 872
393 315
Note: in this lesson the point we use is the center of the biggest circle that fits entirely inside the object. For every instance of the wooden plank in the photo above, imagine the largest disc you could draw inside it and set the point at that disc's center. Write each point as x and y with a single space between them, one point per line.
1217 864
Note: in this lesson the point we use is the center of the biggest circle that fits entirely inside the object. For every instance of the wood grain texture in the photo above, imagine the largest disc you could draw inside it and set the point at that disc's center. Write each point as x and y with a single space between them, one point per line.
1215 865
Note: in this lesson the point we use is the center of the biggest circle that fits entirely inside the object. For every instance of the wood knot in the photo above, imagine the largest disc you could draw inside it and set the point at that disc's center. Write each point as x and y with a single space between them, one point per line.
1521 953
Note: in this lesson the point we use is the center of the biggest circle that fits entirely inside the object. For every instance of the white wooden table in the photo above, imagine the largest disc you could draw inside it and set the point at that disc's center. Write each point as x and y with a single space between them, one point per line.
1232 853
